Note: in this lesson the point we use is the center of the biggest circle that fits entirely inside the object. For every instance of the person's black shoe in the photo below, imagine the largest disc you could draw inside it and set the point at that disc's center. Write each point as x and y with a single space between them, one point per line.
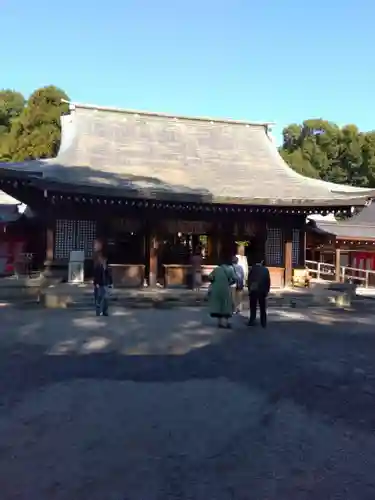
251 323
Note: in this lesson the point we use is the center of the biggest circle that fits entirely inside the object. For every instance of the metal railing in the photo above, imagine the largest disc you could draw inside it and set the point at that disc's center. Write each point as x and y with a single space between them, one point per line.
324 271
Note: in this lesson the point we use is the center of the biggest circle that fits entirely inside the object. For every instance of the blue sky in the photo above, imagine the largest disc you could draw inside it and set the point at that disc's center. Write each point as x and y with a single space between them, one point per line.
281 61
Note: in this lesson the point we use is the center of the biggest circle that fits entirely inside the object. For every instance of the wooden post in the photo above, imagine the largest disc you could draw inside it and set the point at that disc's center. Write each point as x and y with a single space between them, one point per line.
338 264
153 266
288 256
210 247
219 249
302 247
194 242
261 237
350 258
49 244
49 249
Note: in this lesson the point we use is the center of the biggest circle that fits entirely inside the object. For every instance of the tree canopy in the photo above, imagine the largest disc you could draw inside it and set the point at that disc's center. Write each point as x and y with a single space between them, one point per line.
321 149
30 129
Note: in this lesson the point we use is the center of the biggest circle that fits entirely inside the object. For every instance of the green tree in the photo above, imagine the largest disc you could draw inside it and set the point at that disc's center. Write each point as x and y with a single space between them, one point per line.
11 106
299 163
292 153
368 157
36 132
319 148
351 156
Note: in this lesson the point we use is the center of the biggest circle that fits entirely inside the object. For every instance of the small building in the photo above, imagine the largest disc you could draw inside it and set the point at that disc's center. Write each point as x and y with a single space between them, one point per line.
148 188
345 243
15 231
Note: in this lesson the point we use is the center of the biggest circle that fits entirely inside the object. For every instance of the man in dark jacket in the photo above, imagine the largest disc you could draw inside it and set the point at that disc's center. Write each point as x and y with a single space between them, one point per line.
259 285
102 282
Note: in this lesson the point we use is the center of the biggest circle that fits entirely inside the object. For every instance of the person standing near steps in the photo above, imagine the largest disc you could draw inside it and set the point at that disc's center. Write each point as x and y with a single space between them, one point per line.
259 285
238 286
242 262
102 282
220 303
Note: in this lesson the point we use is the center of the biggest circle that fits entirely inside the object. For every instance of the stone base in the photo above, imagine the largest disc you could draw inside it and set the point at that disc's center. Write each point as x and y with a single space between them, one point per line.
343 300
55 301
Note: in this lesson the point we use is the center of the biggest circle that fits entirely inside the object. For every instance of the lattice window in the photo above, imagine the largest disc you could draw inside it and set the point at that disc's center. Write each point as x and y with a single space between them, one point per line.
64 238
74 235
85 236
295 247
274 247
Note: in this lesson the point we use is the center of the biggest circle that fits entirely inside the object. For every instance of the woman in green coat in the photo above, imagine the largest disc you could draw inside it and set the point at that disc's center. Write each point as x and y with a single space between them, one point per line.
220 303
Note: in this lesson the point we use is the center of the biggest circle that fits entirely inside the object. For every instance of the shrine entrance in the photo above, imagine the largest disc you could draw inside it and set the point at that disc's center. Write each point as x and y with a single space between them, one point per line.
178 241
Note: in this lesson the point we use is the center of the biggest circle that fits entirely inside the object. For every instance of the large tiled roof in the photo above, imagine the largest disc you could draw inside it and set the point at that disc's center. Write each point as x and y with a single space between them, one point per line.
221 161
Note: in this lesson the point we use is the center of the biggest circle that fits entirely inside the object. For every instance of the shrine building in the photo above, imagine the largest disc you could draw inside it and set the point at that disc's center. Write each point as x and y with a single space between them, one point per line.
148 188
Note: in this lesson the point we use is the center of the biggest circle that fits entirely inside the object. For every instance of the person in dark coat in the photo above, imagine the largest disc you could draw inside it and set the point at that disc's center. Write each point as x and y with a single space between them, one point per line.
102 282
259 285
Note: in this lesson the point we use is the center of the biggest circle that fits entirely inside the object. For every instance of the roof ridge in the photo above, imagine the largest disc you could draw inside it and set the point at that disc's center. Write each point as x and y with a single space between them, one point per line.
74 105
343 222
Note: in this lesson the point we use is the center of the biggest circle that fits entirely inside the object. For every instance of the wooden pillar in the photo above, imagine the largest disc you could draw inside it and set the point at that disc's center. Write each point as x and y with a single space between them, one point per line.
288 256
350 258
104 231
337 264
218 242
49 247
50 239
261 237
210 247
194 242
302 247
153 264
227 240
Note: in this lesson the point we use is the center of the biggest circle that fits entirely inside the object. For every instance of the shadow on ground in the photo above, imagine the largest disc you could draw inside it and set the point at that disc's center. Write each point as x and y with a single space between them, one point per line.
320 360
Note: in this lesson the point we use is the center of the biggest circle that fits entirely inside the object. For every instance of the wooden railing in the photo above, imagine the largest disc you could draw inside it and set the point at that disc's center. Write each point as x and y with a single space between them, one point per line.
324 271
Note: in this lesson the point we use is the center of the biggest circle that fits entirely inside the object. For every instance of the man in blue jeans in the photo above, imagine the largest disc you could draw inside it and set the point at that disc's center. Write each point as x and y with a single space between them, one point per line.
102 282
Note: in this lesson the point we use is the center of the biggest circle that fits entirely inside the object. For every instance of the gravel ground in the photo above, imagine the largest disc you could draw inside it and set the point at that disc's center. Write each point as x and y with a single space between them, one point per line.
157 405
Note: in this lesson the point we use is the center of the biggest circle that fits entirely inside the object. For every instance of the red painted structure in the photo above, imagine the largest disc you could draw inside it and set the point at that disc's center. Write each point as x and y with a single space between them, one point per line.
349 243
15 237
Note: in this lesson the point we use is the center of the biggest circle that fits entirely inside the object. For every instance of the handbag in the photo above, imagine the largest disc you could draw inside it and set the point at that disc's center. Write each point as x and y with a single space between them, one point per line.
239 281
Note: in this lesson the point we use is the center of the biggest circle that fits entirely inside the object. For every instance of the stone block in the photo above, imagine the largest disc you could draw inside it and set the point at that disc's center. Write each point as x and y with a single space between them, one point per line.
343 300
55 301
